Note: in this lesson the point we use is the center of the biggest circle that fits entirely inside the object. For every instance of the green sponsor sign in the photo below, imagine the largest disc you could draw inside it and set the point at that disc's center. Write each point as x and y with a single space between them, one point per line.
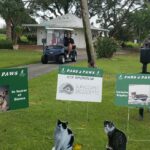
133 90
79 84
13 89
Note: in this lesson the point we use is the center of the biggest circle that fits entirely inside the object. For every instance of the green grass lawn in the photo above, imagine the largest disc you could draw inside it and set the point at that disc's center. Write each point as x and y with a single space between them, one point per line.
11 58
32 128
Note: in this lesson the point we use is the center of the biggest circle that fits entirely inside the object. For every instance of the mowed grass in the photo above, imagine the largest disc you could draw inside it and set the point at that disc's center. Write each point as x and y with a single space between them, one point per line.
11 58
33 128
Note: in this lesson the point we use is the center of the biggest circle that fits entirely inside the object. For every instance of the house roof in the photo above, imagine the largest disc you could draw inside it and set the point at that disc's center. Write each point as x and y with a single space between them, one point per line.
68 21
65 21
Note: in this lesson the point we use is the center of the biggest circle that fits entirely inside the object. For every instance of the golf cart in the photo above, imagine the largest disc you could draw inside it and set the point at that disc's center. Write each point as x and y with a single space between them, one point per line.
56 51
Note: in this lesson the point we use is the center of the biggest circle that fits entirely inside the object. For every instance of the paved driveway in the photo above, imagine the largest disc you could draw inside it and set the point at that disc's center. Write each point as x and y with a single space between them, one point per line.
38 69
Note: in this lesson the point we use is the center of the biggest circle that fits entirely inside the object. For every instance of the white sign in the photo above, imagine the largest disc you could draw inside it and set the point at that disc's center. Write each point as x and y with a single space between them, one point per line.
79 84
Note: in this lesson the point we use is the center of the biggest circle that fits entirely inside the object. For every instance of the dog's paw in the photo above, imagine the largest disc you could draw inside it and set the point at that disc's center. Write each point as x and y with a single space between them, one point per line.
108 147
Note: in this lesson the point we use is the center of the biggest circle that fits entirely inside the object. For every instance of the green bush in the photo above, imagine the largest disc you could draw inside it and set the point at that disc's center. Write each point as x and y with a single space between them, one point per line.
23 40
32 39
3 31
5 44
130 44
105 47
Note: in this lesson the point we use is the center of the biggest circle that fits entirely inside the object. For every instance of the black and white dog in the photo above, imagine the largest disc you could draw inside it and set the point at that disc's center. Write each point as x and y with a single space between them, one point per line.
63 137
116 139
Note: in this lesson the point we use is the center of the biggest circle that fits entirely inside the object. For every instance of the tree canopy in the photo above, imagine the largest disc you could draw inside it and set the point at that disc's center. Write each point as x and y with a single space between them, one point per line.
14 13
113 14
50 8
139 23
118 16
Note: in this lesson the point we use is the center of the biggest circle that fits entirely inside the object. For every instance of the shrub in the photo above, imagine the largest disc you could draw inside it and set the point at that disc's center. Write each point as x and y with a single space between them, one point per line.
23 40
32 39
131 45
5 44
105 47
3 31
27 39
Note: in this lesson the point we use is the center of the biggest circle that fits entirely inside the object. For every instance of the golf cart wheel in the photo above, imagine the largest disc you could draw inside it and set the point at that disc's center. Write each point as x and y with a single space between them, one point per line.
44 59
62 59
74 59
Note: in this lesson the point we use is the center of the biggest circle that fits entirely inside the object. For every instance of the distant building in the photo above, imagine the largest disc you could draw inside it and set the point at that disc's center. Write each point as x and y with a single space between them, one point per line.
53 30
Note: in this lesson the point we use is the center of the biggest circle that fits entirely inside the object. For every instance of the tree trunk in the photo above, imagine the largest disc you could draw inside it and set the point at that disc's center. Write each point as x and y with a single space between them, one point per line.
8 29
66 7
88 34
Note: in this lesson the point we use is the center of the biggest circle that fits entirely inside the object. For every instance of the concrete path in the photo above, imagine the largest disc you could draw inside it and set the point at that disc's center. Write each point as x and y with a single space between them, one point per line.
38 69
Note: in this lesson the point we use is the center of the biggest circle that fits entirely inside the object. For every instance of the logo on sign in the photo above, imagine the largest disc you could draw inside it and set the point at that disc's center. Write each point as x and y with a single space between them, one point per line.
66 88
22 74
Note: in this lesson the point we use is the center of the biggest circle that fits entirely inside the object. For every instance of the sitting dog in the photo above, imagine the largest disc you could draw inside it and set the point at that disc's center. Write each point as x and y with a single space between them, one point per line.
116 139
3 101
63 136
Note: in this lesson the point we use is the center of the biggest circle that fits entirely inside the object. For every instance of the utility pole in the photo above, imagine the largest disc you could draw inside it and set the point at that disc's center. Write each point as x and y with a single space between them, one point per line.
87 33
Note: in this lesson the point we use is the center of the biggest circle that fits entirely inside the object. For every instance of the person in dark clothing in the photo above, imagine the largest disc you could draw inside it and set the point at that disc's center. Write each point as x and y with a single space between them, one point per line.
68 42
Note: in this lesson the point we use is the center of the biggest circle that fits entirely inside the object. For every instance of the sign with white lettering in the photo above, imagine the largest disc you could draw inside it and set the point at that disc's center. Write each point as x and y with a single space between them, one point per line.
79 84
133 90
13 88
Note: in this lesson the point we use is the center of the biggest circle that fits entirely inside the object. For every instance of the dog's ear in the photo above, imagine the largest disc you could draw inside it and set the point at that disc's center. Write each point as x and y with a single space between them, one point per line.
66 123
58 121
106 122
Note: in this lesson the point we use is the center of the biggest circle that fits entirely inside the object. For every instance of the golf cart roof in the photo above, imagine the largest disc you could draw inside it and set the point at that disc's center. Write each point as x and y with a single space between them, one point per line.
65 29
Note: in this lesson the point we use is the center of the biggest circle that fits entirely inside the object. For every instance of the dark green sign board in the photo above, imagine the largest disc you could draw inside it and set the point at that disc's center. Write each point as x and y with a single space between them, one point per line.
13 89
133 90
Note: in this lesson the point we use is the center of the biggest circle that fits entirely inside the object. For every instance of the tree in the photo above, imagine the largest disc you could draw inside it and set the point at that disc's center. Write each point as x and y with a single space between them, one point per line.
50 8
7 8
56 8
14 13
88 35
113 14
139 23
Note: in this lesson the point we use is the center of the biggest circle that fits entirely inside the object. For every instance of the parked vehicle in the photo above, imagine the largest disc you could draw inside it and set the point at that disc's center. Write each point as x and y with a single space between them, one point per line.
58 53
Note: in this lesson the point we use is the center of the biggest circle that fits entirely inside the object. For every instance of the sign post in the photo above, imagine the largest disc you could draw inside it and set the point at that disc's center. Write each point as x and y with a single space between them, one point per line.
13 89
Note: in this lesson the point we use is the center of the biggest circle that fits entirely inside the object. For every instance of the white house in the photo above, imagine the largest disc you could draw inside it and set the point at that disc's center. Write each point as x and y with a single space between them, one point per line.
53 30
